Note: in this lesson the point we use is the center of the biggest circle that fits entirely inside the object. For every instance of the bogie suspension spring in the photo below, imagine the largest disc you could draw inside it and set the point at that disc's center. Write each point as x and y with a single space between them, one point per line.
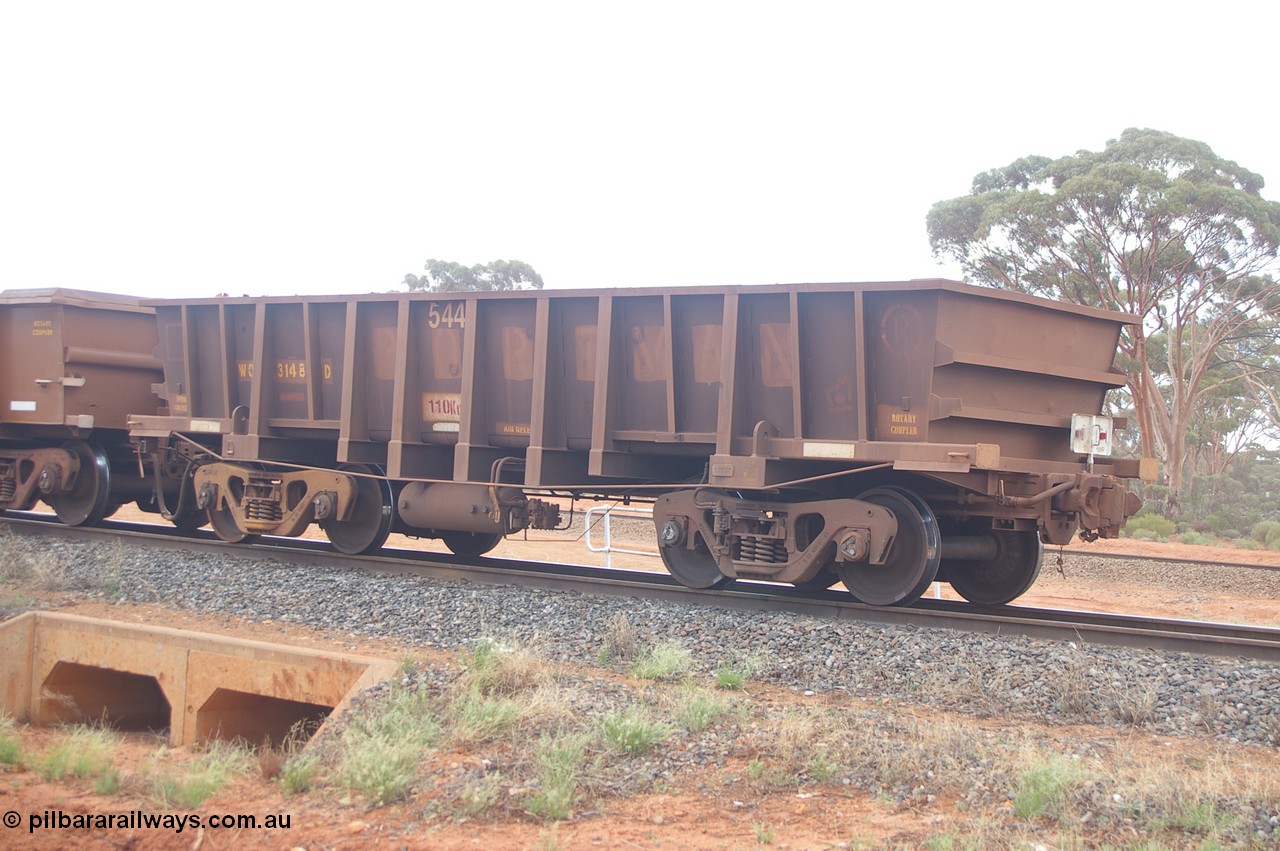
761 549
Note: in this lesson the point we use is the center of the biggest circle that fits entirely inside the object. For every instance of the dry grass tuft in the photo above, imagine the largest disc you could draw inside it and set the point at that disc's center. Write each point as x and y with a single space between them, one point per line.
271 762
547 707
620 639
792 738
1074 692
1134 708
980 691
497 669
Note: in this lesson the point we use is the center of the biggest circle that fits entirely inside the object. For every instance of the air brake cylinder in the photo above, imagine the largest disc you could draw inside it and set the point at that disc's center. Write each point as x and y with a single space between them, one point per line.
473 508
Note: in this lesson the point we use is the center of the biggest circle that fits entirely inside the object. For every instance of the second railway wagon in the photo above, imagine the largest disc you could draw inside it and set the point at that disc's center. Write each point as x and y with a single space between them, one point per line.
880 434
73 366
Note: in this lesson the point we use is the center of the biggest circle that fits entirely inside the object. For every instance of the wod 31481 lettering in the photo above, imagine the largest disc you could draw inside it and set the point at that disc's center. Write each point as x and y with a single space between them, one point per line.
292 368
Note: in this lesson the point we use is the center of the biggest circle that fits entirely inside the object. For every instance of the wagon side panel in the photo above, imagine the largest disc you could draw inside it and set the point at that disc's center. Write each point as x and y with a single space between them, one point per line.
765 366
109 364
31 351
900 333
831 339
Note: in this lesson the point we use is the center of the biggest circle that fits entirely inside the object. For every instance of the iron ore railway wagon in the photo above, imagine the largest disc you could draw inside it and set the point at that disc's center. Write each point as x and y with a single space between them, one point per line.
882 435
73 367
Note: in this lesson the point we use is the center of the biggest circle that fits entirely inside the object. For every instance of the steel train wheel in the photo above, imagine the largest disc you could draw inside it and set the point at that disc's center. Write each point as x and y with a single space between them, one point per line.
223 523
470 543
822 581
1005 577
87 501
189 521
694 568
370 522
913 559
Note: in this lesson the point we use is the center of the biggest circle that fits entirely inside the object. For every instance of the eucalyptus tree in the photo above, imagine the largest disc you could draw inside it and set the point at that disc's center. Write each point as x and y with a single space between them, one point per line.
444 276
1263 357
1155 225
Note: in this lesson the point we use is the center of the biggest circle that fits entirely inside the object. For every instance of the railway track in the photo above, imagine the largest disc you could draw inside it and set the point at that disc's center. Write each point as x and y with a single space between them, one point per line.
1243 565
1161 634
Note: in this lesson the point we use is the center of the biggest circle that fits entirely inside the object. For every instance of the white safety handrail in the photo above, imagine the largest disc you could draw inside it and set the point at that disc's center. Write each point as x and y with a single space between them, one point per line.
607 513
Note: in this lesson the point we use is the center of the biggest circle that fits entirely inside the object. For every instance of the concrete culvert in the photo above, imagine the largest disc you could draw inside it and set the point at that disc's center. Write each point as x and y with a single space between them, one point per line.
68 669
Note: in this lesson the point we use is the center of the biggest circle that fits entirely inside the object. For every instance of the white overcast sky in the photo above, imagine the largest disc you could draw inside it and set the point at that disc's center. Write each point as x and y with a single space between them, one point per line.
185 149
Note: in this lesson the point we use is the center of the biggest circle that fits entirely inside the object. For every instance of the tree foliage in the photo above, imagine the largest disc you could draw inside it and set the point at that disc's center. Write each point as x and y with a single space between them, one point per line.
1262 352
1155 225
1234 502
445 276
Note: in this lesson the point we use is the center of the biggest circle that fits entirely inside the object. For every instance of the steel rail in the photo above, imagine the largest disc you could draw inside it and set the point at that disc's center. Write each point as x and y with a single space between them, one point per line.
1140 632
1054 552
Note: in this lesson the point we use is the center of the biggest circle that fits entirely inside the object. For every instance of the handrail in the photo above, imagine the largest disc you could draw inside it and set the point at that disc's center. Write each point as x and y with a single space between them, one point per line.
607 512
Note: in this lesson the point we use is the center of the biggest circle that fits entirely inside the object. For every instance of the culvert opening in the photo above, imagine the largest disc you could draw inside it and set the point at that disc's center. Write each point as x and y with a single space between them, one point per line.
82 694
258 719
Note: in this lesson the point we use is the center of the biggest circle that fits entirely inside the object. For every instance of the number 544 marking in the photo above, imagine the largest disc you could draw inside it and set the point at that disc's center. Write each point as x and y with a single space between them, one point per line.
454 313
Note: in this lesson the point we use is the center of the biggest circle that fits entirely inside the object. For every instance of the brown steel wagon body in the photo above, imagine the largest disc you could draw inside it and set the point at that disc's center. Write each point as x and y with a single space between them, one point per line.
885 434
73 366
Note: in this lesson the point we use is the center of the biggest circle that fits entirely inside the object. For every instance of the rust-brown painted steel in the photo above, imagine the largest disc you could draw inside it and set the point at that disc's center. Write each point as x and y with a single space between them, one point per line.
73 361
958 395
589 385
73 367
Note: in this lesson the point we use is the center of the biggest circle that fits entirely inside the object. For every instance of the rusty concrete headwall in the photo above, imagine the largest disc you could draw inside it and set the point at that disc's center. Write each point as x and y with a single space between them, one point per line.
59 668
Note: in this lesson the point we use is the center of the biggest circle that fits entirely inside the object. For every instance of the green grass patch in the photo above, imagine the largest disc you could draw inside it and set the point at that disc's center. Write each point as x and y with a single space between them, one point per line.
203 776
697 709
477 718
768 774
379 767
731 676
821 767
663 661
84 752
1150 527
299 774
1203 817
560 759
478 798
1042 787
1266 533
10 744
107 783
633 731
380 749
